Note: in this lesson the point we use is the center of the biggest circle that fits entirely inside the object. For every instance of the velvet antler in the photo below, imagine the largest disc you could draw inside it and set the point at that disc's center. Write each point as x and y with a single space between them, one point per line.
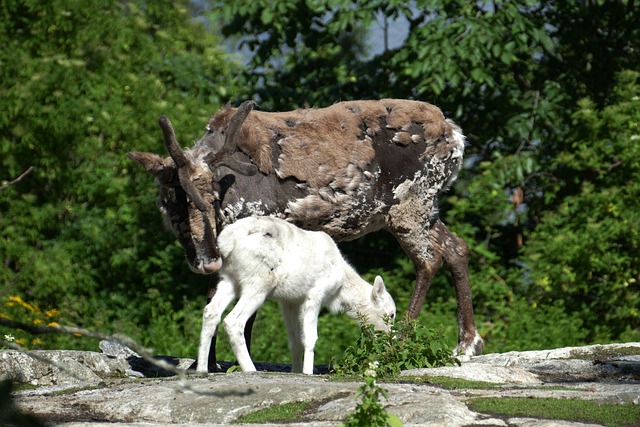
224 157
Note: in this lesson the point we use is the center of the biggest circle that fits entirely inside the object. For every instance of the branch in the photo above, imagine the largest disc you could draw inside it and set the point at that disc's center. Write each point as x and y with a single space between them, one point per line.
6 184
72 330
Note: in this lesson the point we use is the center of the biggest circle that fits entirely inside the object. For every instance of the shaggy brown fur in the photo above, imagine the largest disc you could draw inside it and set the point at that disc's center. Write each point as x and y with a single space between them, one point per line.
327 140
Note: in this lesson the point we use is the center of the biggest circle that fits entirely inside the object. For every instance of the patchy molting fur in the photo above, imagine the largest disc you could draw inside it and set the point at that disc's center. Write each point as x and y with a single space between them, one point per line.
348 169
330 154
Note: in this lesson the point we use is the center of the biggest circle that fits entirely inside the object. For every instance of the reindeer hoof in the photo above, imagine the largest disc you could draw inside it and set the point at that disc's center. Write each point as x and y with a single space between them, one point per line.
465 350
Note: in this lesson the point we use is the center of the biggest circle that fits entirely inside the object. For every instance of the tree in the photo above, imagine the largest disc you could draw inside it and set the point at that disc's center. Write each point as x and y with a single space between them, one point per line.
511 73
585 251
80 238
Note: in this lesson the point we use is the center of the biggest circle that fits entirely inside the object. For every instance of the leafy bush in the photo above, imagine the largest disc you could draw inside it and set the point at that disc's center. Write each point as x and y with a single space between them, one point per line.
411 346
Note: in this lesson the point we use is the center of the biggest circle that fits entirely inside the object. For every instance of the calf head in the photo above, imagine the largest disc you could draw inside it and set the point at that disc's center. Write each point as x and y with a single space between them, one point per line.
189 194
381 311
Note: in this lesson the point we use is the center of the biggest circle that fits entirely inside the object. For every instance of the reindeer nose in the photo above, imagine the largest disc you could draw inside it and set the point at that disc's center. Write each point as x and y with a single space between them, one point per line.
212 266
208 267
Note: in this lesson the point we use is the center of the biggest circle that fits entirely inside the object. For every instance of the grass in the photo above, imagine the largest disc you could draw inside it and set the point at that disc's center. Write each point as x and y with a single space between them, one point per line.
559 409
24 386
606 353
436 381
72 390
451 383
285 412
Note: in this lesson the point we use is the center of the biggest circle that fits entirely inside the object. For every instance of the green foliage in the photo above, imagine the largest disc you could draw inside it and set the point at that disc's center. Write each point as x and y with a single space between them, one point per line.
560 409
82 85
584 253
411 345
370 411
547 200
520 324
16 309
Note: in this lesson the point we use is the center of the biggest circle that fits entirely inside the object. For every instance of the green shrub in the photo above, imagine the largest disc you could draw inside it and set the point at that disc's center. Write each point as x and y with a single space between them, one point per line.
410 346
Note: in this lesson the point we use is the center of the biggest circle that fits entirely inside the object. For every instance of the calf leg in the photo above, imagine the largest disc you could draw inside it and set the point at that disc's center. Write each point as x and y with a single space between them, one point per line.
309 312
213 361
236 321
211 319
294 332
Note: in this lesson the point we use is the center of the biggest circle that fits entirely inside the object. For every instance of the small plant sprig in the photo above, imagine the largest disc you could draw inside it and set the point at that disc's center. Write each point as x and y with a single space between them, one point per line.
410 345
370 412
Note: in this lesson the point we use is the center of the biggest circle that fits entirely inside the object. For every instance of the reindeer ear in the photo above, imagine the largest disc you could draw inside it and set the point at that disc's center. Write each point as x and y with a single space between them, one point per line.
154 164
378 288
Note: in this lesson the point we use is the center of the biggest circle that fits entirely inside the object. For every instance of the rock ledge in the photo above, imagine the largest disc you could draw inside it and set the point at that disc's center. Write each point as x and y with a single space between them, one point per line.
118 387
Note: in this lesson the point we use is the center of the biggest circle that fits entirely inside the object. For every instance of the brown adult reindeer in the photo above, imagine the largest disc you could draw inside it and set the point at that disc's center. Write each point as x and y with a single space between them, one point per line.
348 169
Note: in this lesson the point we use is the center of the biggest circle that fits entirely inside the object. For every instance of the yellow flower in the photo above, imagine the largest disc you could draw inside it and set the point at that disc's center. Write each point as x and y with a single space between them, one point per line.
36 341
53 312
37 322
15 299
53 324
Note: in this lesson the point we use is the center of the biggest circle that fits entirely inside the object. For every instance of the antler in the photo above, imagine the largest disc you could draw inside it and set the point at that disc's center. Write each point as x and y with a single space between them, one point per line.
182 163
171 143
224 156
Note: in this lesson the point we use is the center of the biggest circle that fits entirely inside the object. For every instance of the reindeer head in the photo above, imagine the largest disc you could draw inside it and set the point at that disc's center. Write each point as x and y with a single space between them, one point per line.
189 194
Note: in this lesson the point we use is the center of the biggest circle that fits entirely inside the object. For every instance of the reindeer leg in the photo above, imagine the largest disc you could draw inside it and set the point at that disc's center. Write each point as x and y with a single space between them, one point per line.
248 329
294 334
427 248
455 253
414 238
425 271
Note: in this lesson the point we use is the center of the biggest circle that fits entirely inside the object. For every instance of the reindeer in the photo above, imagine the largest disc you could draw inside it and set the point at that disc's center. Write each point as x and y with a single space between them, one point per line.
267 257
349 169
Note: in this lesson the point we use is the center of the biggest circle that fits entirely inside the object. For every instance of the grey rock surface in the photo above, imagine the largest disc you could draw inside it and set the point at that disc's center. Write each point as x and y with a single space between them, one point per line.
118 387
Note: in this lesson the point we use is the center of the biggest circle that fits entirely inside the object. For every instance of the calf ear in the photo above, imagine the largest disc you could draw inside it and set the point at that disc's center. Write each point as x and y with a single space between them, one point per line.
378 288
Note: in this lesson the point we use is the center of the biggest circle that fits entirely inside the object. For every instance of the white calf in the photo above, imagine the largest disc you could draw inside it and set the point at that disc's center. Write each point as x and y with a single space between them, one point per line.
265 257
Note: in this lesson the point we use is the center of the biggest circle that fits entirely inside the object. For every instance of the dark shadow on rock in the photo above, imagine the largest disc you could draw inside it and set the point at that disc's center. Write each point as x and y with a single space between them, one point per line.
268 367
10 415
627 369
148 369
